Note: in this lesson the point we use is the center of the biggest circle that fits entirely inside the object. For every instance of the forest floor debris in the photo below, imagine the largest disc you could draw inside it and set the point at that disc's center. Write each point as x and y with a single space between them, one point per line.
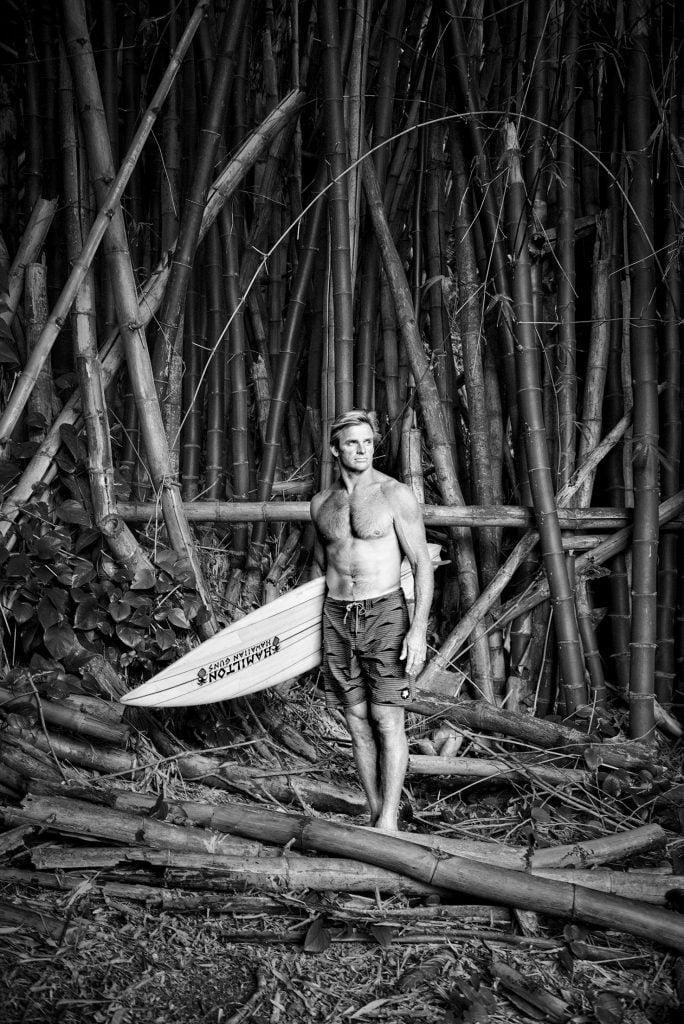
154 934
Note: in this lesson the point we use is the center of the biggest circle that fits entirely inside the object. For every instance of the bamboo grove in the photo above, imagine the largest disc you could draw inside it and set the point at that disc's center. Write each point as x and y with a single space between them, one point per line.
223 223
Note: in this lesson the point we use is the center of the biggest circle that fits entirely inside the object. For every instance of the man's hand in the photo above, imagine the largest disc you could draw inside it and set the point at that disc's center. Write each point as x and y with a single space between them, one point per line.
414 650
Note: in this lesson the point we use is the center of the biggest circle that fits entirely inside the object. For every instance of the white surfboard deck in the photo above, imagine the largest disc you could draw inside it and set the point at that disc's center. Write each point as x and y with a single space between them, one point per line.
279 641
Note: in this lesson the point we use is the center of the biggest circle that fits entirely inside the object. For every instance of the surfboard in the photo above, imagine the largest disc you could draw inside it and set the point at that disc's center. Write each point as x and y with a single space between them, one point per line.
279 641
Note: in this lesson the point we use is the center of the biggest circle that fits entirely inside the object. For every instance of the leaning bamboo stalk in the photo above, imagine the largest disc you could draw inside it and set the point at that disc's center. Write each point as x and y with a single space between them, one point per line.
603 552
41 402
536 448
31 243
29 375
41 468
122 278
123 545
474 615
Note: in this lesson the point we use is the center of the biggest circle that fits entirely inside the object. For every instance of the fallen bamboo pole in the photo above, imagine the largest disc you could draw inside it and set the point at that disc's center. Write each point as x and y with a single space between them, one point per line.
584 853
286 787
76 817
458 874
56 713
477 714
494 768
78 752
649 887
285 872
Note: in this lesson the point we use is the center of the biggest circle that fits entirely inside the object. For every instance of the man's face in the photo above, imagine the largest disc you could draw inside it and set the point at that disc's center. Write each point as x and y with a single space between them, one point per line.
355 448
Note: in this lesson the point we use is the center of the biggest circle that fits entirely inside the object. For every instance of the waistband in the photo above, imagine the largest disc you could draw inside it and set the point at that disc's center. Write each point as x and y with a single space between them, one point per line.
364 602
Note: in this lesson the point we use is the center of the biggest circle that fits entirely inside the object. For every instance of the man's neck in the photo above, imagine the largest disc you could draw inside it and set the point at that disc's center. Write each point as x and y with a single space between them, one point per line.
350 480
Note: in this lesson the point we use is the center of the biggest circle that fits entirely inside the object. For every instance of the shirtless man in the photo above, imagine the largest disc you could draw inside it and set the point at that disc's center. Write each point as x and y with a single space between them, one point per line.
364 524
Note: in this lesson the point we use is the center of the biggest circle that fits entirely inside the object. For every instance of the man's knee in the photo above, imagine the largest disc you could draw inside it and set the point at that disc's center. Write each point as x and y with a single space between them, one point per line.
388 719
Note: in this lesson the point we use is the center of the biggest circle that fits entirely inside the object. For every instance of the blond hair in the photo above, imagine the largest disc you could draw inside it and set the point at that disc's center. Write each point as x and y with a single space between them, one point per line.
353 418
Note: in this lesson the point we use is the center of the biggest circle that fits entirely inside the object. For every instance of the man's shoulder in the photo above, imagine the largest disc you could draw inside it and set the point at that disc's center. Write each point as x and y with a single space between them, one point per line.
320 498
396 489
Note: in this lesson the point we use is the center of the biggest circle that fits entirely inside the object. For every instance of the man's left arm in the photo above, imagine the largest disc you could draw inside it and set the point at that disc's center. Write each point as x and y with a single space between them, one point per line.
410 530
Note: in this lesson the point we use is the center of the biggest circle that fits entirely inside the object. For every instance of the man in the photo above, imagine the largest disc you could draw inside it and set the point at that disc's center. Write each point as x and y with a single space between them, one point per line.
364 524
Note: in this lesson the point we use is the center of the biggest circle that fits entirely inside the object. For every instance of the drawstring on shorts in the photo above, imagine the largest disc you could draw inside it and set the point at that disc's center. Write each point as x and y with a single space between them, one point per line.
358 609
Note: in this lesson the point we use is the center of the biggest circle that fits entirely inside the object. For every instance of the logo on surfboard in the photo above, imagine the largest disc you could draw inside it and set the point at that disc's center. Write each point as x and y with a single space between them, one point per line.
238 660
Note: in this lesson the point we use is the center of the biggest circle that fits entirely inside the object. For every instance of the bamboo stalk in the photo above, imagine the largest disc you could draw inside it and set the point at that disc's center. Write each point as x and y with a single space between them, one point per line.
596 519
584 853
128 310
72 719
433 416
532 423
77 751
42 401
642 333
76 817
500 885
108 205
494 768
338 202
123 545
41 467
28 251
207 147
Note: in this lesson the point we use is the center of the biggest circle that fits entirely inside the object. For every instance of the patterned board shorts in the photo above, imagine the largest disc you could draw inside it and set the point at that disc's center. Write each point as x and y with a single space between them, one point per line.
362 641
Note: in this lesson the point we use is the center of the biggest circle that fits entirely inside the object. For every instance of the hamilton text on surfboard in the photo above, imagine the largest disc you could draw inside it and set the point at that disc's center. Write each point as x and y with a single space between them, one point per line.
238 660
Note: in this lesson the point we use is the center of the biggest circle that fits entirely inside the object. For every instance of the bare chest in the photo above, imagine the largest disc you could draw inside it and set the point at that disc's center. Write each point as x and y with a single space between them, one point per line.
363 516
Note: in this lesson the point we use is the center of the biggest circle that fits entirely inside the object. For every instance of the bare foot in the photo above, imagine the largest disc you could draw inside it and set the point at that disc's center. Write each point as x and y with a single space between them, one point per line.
385 826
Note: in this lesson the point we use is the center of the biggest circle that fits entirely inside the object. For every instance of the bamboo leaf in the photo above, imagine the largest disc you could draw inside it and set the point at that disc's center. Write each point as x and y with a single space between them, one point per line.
318 937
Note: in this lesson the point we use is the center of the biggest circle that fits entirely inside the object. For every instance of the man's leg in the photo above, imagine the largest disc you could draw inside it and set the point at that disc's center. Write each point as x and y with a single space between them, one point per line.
365 755
389 727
